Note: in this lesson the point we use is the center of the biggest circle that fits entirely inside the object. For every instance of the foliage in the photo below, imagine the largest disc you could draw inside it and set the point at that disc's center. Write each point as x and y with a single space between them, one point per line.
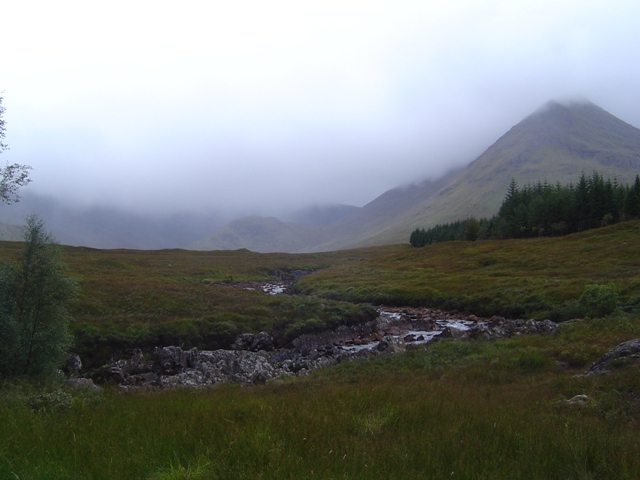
133 298
12 176
2 126
599 300
34 335
470 229
545 210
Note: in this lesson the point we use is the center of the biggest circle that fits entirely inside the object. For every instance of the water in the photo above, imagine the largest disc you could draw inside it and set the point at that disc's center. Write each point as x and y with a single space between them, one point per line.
420 337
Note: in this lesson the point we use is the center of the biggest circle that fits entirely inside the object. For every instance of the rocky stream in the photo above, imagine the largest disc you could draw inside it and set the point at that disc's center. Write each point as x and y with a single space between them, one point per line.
254 359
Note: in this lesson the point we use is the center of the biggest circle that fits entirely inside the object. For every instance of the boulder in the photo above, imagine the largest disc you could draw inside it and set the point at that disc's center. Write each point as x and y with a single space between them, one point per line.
172 360
85 383
262 341
453 332
627 353
254 342
391 344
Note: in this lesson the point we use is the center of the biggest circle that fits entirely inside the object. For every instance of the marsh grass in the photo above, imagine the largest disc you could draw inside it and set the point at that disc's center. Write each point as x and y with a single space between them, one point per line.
513 278
456 409
134 298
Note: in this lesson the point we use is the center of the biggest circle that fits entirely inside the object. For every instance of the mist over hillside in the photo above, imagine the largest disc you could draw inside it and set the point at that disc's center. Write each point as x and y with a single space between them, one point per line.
108 227
556 143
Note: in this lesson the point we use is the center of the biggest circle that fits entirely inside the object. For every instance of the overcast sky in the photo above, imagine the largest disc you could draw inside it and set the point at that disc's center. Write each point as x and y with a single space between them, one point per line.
255 106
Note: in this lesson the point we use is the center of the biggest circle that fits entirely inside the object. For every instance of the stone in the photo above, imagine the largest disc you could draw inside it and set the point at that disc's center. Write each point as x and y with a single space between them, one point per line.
626 353
243 342
85 383
262 341
73 366
578 400
172 360
391 344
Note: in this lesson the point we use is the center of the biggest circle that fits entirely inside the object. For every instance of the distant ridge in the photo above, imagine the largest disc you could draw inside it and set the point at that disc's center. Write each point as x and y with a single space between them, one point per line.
260 234
556 143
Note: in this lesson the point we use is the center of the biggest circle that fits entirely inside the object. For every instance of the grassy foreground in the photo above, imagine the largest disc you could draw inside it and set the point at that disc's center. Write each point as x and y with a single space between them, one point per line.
456 410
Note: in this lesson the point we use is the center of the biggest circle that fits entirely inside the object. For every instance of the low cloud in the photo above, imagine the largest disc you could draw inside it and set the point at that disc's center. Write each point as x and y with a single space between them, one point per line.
256 108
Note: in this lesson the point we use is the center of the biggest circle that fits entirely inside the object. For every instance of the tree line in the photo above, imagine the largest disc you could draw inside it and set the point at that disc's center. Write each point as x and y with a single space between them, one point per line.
543 209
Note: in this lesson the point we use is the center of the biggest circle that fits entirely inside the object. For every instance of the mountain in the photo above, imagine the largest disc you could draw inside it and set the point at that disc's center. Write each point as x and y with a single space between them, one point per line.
321 214
556 143
107 227
261 234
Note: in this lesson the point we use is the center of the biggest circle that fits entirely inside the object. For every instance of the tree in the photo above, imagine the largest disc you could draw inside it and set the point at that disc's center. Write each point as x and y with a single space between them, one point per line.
13 176
34 293
472 230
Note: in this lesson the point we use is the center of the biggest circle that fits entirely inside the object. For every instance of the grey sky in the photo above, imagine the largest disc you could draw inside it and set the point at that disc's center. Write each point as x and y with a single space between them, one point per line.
253 106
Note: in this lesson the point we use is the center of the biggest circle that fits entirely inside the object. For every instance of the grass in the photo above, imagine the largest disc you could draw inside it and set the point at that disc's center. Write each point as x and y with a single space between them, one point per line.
456 410
511 278
134 298
473 409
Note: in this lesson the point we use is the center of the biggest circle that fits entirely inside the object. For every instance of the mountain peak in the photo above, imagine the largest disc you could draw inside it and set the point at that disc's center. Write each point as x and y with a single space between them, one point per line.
556 143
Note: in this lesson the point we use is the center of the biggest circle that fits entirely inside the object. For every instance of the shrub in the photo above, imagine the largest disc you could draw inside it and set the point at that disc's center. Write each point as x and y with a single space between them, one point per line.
599 300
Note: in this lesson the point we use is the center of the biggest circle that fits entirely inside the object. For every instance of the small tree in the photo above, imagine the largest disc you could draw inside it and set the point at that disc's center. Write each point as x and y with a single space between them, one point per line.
472 230
34 293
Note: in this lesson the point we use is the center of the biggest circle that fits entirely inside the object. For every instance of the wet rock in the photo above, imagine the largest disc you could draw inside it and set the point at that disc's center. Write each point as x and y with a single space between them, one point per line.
453 332
254 342
243 342
391 344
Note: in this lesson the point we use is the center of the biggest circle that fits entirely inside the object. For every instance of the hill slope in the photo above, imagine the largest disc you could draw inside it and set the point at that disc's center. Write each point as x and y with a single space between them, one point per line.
555 144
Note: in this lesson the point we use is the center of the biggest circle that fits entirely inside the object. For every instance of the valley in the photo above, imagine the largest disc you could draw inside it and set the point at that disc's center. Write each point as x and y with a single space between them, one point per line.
501 399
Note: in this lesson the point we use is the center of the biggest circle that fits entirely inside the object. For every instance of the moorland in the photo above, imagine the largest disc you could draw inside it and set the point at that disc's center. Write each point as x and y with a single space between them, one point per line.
455 409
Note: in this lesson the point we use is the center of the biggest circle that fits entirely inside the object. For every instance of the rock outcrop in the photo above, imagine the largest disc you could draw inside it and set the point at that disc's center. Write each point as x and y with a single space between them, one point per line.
625 354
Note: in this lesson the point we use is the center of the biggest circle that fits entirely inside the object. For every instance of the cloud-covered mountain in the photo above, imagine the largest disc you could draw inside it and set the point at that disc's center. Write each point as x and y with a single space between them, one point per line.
556 143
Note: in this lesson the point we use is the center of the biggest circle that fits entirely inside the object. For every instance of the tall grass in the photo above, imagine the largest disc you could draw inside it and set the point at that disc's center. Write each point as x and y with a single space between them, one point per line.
455 410
514 278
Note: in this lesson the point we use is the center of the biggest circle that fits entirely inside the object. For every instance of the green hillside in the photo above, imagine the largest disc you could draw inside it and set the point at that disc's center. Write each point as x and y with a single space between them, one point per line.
555 144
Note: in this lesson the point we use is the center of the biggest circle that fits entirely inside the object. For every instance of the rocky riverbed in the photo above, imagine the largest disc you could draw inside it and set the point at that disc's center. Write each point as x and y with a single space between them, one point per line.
254 358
